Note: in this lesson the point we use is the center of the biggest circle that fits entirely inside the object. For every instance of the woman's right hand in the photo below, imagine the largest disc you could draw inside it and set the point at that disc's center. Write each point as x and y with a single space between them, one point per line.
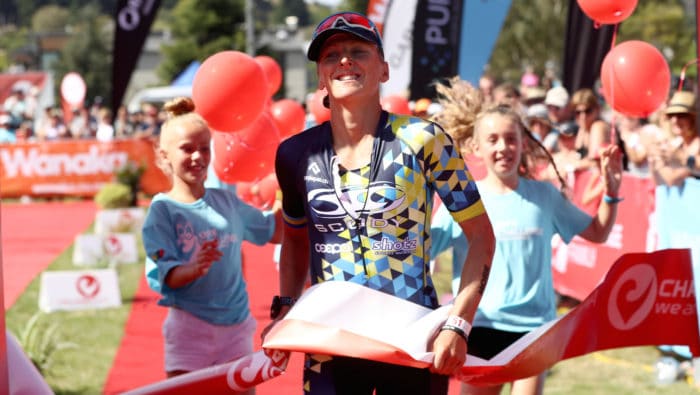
283 312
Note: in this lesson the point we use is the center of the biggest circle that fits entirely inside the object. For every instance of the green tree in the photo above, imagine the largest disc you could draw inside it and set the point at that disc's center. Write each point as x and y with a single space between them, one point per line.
201 28
27 8
87 52
50 19
11 40
532 34
666 25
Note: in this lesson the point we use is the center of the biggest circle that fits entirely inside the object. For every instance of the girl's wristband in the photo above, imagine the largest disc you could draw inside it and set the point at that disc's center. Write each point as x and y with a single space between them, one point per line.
612 200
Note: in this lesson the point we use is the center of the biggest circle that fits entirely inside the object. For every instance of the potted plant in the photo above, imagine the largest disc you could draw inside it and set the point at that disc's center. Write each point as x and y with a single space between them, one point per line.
123 191
130 175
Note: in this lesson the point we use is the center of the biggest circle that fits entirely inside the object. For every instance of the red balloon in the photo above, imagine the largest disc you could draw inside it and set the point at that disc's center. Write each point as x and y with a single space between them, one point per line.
247 155
396 104
289 116
273 73
608 11
229 90
315 105
635 78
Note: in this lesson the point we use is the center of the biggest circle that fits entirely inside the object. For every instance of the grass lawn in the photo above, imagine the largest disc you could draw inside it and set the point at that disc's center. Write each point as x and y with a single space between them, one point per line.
97 334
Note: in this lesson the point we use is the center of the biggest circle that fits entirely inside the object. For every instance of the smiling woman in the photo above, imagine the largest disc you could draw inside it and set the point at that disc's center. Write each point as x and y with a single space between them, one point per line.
355 208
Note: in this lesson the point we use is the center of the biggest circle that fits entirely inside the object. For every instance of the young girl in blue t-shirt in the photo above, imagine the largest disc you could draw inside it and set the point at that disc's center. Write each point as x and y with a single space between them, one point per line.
525 214
192 236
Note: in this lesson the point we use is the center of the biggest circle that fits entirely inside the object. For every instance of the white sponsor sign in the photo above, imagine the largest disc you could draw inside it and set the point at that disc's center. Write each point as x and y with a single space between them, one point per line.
112 248
121 220
398 46
79 290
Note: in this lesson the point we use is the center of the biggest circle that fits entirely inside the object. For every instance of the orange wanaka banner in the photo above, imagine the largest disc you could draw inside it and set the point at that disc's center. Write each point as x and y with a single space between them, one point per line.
74 167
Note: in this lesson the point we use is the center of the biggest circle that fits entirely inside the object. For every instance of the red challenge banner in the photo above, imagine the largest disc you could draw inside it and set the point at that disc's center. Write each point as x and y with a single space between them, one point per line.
645 299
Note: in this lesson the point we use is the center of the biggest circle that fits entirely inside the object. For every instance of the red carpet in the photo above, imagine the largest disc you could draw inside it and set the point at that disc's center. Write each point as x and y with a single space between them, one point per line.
33 235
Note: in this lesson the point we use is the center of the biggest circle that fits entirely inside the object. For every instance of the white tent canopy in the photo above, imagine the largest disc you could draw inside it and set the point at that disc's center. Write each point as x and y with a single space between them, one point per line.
157 95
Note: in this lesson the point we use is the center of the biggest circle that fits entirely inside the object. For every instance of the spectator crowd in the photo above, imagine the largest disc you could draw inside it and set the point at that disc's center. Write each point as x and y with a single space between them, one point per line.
22 121
575 126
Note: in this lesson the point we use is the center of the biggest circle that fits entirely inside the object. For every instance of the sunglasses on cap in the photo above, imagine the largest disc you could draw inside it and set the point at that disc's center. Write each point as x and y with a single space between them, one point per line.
350 19
349 22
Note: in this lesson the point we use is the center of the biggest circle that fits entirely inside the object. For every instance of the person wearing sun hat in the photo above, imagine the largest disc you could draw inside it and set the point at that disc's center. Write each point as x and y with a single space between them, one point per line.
672 162
541 127
347 184
557 101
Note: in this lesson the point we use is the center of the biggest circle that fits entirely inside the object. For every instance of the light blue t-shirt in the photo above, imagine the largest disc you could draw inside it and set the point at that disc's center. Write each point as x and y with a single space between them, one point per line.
519 295
173 233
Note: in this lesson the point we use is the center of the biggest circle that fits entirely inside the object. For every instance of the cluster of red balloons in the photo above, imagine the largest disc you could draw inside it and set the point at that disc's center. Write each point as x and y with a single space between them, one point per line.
635 76
233 92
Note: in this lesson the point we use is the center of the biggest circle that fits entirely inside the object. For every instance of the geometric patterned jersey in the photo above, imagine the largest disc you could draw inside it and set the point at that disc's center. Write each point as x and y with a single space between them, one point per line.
371 225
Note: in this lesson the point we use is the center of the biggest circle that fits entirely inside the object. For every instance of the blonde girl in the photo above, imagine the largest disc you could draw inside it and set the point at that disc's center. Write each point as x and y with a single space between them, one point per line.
192 236
525 214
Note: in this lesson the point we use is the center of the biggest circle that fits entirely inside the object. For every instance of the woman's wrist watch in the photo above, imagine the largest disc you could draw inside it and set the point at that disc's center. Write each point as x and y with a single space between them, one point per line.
278 302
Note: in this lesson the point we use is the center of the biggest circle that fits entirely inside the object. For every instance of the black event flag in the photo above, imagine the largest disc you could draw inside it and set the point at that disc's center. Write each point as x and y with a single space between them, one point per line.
436 37
585 48
133 19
